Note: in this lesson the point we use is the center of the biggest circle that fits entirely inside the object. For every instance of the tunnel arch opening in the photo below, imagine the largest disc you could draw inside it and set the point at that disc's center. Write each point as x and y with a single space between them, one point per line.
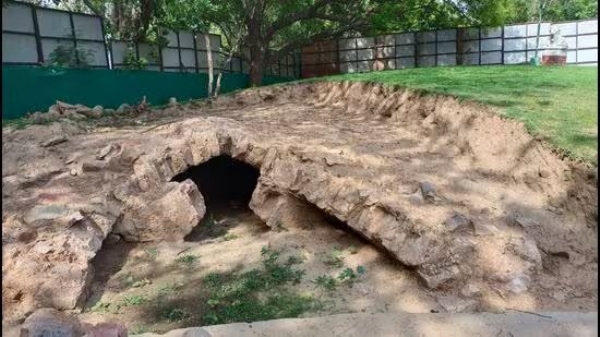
227 185
223 181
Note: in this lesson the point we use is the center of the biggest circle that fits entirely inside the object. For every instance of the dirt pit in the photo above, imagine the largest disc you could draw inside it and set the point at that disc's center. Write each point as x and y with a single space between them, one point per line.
346 198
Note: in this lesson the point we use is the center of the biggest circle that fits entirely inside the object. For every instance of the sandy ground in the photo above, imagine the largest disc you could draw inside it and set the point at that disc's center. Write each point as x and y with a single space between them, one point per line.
386 286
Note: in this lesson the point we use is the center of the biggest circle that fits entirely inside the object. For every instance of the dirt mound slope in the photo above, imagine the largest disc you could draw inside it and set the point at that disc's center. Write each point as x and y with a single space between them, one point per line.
469 200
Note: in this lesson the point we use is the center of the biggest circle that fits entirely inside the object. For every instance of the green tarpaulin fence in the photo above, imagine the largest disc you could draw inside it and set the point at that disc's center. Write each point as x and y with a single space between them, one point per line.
29 89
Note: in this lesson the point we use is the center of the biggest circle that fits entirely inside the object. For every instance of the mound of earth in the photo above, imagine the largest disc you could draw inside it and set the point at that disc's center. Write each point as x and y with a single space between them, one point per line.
468 200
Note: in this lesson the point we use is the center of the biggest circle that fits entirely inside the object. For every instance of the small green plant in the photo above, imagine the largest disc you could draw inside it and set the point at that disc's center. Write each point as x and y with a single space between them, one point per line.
70 57
174 314
326 282
126 280
229 237
335 258
294 260
140 283
169 288
139 329
134 300
132 62
101 307
188 259
348 275
212 280
209 221
152 252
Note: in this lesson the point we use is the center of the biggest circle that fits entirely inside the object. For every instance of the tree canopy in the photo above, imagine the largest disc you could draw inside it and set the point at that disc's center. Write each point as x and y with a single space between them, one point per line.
264 30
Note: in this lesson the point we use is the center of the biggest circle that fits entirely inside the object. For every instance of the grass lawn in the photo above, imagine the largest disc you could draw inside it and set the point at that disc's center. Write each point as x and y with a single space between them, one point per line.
559 103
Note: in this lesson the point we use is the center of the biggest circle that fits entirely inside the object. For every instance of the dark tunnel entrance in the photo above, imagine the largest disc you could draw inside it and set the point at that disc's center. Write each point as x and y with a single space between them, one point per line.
227 185
223 181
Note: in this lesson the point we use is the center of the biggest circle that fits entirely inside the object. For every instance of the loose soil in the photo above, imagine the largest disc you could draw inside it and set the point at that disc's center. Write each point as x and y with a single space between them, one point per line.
364 138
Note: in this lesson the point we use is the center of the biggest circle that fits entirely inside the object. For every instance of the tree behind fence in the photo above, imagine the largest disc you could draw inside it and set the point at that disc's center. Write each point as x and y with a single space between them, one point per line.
33 35
513 44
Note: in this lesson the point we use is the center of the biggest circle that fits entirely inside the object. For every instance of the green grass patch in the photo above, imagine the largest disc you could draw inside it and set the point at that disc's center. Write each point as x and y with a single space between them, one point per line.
187 260
557 103
134 300
326 282
335 258
229 237
259 294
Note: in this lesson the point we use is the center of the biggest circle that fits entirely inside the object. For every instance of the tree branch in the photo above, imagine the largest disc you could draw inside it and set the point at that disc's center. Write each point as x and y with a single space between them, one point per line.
304 14
454 6
93 8
315 37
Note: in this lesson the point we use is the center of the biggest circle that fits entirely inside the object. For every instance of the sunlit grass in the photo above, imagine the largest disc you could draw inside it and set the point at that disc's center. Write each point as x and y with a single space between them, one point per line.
558 103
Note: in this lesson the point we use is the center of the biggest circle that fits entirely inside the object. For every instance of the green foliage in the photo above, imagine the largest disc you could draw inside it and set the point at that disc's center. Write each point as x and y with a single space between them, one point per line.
151 252
418 15
326 282
294 260
69 57
134 300
349 276
188 259
209 221
553 10
132 62
334 258
229 237
173 314
258 294
169 288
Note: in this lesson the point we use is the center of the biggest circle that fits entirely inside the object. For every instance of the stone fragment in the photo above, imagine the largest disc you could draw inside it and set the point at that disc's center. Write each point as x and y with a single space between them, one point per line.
544 173
112 239
523 221
97 111
93 166
456 305
559 296
46 212
124 108
525 248
54 141
470 290
51 322
105 330
482 229
434 276
428 191
104 152
457 221
416 199
518 284
169 217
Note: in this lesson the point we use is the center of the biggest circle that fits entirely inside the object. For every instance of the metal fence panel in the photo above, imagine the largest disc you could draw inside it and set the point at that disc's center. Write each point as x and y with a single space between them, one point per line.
17 48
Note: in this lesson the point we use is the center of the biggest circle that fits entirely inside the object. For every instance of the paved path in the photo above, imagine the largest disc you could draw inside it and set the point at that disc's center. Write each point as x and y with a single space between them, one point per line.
513 324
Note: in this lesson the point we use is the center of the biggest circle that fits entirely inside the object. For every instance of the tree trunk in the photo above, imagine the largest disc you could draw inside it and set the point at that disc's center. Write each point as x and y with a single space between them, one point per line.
256 65
210 64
